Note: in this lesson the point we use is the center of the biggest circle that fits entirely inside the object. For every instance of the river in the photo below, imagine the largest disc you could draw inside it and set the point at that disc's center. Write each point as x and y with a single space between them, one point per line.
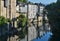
41 34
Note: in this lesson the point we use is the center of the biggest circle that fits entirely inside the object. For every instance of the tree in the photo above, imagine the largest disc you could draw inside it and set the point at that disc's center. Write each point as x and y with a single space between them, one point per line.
22 19
54 20
24 1
3 26
3 21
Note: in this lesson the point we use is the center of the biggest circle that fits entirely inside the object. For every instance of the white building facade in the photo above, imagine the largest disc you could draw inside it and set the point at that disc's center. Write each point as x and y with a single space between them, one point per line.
32 11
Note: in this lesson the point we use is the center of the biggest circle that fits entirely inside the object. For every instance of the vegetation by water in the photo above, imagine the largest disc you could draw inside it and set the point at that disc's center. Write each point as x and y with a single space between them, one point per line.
3 26
3 23
22 23
22 20
54 20
24 1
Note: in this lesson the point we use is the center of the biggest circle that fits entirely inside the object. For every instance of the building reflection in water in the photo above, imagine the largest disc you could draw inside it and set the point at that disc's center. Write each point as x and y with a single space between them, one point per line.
34 32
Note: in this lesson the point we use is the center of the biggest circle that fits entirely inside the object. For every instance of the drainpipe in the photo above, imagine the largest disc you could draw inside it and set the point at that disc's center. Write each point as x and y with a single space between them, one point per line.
0 7
44 19
38 12
27 19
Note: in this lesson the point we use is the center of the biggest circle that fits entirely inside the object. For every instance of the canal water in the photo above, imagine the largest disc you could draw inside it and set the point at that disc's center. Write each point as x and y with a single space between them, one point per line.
46 37
41 34
34 34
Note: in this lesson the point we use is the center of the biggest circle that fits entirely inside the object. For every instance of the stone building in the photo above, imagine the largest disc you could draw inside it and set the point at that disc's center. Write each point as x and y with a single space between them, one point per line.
2 8
8 10
32 16
32 10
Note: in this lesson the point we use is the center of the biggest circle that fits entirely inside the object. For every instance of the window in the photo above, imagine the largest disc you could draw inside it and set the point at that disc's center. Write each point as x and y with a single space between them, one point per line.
6 3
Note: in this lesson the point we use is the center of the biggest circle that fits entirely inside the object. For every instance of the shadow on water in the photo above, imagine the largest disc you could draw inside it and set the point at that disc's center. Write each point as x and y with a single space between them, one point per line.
53 35
44 32
54 21
55 29
45 37
5 34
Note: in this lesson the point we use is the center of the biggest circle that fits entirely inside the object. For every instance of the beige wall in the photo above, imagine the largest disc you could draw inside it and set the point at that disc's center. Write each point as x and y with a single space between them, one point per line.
12 8
0 6
3 9
40 19
5 12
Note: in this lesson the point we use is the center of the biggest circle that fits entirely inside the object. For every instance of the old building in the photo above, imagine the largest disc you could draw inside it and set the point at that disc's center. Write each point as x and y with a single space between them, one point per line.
2 8
33 10
8 10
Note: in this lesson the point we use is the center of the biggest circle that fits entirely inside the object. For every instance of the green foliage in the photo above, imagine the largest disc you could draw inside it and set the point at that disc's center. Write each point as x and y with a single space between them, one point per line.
3 21
3 24
21 21
22 24
53 13
8 20
24 1
54 20
21 34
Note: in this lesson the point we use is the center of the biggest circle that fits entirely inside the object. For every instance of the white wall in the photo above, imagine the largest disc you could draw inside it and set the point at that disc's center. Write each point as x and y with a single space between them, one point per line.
32 11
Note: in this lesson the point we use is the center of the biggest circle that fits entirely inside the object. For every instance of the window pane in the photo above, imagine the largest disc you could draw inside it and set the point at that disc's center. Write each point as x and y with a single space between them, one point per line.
6 3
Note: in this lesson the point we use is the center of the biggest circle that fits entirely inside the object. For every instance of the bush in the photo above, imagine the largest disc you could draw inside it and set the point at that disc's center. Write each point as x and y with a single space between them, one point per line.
22 24
21 21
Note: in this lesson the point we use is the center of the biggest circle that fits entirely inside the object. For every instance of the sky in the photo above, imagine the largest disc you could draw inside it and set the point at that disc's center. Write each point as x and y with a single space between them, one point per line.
43 1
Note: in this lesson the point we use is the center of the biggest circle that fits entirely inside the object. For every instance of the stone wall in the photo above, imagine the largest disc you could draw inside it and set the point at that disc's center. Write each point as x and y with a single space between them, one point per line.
2 9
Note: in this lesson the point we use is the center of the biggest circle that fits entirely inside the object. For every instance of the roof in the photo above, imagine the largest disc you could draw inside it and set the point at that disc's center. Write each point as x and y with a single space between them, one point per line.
31 3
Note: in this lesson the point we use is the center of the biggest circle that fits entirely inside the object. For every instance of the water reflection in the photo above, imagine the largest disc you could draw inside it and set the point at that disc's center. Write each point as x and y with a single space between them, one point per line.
41 34
44 38
31 32
47 35
37 32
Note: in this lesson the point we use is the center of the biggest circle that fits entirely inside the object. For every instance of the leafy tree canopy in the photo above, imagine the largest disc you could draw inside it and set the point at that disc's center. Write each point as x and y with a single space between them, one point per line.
2 20
24 1
22 20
